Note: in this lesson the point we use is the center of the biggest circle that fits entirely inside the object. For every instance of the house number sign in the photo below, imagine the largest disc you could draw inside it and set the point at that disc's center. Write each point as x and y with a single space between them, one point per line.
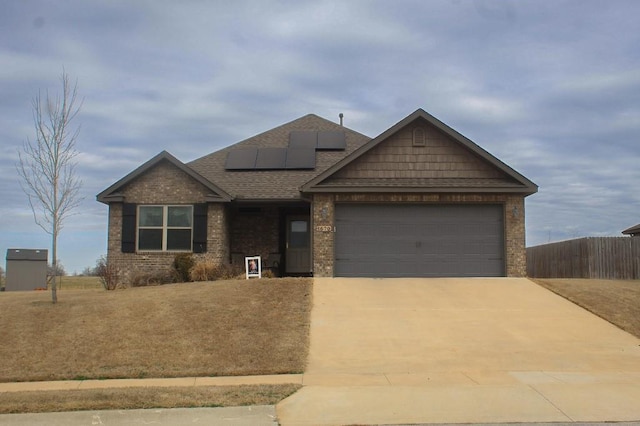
324 228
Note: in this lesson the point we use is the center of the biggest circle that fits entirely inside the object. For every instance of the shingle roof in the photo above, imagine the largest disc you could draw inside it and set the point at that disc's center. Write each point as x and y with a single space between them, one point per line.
274 184
289 184
634 230
112 194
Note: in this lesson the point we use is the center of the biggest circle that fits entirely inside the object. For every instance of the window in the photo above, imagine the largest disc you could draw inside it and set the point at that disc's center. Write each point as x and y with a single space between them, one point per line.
419 137
165 228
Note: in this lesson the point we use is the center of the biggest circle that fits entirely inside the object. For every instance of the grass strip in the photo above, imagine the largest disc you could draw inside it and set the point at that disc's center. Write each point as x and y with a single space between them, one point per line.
141 398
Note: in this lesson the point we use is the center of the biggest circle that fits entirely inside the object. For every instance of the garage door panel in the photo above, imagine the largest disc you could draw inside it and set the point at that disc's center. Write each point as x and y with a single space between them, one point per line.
419 240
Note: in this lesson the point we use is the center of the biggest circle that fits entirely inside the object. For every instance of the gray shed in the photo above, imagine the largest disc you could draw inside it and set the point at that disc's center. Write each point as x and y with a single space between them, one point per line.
26 269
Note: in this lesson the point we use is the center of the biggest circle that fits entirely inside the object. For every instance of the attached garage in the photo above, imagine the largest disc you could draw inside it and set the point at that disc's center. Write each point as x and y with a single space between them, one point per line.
419 240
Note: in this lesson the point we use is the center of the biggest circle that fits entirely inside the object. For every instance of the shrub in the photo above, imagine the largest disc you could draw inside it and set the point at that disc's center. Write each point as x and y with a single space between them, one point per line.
182 263
210 271
108 273
159 278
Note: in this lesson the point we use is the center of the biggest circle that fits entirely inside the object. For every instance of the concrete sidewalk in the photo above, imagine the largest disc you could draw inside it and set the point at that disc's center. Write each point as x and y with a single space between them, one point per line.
407 351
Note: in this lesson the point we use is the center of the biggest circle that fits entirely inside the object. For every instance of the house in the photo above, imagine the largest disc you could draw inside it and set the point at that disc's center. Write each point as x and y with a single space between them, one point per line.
419 200
634 231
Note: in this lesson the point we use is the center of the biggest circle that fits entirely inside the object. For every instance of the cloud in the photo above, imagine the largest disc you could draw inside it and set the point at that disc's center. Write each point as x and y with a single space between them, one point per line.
548 87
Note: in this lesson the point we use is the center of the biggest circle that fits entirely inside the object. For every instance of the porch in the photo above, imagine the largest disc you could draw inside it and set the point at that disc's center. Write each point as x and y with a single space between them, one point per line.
280 233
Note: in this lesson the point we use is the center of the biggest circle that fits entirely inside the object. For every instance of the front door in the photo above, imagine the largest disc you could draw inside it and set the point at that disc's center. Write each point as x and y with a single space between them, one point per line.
298 254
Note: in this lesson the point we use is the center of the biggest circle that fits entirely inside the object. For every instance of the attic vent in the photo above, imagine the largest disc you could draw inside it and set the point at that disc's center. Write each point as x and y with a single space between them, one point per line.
419 137
323 140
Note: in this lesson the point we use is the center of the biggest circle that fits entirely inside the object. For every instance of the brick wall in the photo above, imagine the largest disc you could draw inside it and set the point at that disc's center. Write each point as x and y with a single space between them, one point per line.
165 184
323 215
257 233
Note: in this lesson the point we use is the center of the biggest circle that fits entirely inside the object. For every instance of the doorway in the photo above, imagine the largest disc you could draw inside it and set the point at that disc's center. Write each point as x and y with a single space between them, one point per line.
298 245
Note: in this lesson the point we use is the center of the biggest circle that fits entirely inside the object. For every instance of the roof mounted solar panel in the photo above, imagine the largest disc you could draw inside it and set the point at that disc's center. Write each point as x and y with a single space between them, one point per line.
303 139
331 140
242 159
271 158
301 158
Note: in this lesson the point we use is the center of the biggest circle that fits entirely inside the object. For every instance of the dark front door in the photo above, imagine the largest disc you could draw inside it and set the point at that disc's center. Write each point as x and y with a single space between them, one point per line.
298 254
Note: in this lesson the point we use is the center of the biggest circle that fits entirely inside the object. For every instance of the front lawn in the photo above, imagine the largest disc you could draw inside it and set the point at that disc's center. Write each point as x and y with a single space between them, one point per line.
617 301
217 328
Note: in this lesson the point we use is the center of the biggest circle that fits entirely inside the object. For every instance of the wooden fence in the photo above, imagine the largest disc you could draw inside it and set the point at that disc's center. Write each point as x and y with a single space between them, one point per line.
594 257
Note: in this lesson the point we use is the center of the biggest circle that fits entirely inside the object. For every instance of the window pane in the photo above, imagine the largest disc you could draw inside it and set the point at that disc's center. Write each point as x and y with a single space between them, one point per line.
179 239
179 216
150 216
299 226
299 235
150 239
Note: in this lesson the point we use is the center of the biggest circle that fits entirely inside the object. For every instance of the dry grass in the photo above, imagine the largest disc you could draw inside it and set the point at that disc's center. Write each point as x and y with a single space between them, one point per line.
135 398
79 283
617 301
195 329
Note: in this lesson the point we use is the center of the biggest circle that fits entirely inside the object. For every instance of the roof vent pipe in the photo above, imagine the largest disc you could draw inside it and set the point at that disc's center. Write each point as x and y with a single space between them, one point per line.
341 115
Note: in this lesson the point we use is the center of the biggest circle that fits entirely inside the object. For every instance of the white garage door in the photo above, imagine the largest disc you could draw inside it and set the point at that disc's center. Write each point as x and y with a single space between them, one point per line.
396 240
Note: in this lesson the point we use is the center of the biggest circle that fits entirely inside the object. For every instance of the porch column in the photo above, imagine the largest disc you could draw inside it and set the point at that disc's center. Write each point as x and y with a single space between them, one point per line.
323 235
516 251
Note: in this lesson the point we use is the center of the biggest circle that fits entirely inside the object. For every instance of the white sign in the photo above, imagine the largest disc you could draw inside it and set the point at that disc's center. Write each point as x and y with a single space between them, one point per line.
253 267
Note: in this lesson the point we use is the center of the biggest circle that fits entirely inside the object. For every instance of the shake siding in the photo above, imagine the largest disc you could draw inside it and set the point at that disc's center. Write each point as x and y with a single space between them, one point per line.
440 157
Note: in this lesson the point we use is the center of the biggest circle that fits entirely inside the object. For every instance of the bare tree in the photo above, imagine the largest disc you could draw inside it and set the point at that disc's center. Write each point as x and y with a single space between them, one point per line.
47 166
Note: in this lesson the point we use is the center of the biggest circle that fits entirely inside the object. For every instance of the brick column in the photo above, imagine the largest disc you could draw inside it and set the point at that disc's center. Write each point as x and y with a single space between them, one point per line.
515 246
323 235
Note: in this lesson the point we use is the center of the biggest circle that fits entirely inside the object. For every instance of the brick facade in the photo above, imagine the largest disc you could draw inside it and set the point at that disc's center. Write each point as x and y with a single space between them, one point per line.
416 155
165 184
255 233
323 217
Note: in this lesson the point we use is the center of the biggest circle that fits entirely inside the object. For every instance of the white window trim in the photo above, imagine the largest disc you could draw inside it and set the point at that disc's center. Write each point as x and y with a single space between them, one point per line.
164 227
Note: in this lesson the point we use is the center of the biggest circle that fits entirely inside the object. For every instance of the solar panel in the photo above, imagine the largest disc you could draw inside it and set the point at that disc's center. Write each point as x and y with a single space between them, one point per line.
303 139
242 159
271 158
331 140
300 158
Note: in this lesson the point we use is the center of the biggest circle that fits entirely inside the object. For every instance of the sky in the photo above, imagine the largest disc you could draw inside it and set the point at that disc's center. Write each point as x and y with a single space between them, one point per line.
550 87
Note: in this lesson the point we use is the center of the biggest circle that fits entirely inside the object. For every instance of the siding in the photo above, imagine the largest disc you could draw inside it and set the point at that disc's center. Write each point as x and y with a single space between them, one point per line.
398 158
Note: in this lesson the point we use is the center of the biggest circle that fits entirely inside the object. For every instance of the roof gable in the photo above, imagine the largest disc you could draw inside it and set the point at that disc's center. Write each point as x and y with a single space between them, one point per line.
633 231
418 154
113 194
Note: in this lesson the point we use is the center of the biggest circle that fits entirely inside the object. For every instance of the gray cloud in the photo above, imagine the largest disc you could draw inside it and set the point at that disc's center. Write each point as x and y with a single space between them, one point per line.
549 87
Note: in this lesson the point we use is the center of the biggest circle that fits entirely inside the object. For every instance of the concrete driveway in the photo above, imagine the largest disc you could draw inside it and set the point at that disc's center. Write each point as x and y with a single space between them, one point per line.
389 351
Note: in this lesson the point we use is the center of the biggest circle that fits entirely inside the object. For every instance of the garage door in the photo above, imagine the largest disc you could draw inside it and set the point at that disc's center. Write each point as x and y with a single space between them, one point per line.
419 240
